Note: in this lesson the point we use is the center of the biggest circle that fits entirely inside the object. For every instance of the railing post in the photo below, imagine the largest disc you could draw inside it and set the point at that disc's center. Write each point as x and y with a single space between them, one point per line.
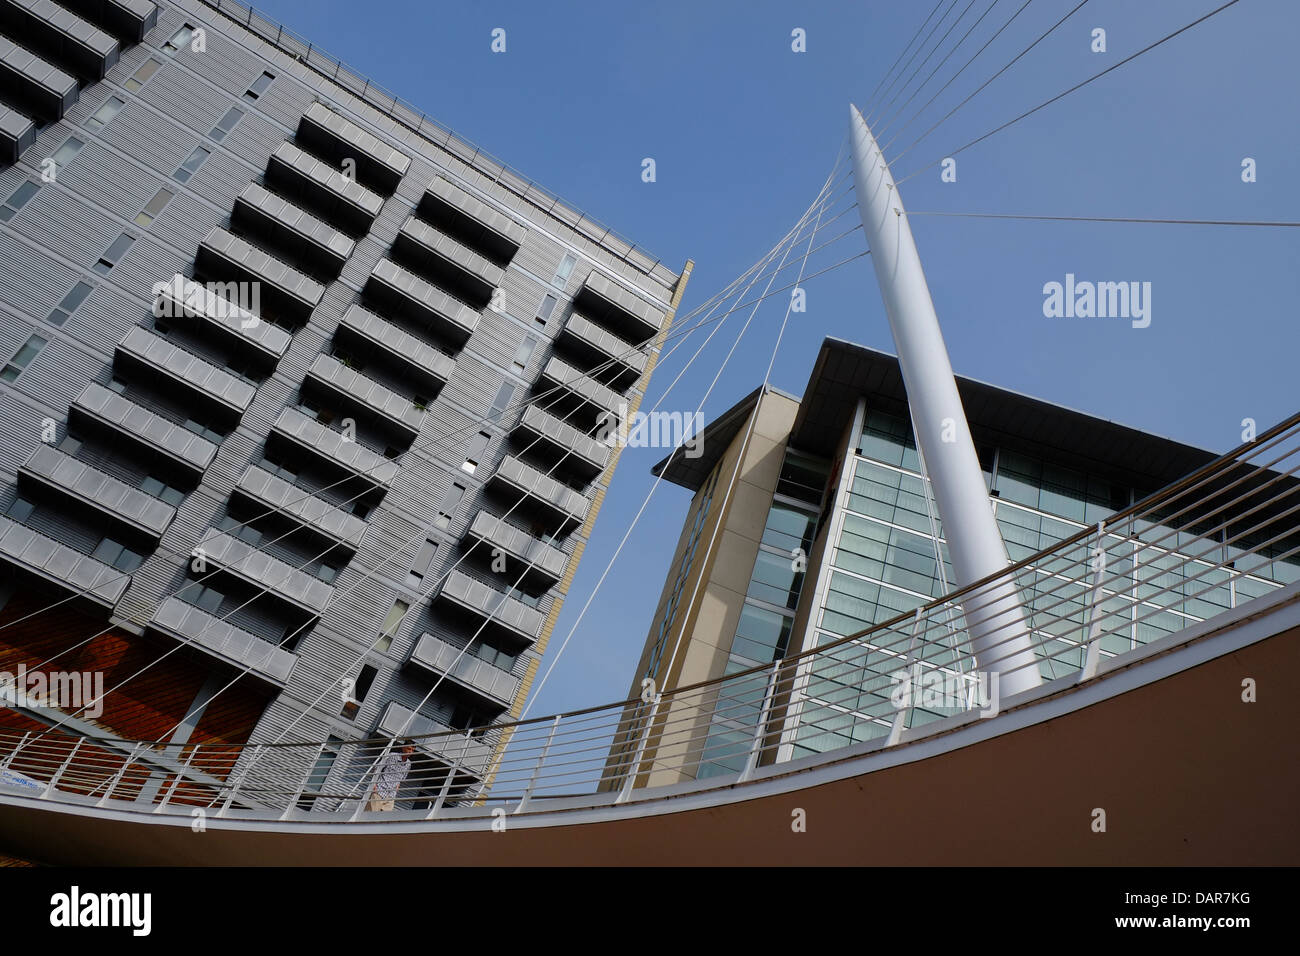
451 775
1092 656
9 758
62 767
528 791
900 718
239 779
760 731
176 781
626 792
117 777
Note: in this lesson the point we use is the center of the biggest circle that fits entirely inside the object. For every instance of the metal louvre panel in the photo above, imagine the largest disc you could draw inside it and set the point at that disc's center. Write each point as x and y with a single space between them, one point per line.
31 279
59 373
68 226
146 137
474 386
20 423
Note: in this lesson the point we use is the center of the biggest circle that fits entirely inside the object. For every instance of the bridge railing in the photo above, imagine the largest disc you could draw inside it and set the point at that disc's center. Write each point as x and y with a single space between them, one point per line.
1223 536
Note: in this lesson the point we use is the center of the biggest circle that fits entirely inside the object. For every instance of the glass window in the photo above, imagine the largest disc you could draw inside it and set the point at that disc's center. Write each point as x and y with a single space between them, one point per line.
76 295
153 207
107 110
20 197
226 123
565 269
391 623
423 559
474 451
118 555
775 580
71 147
802 477
113 254
22 358
143 75
191 165
20 509
209 599
260 86
545 309
524 353
502 401
179 39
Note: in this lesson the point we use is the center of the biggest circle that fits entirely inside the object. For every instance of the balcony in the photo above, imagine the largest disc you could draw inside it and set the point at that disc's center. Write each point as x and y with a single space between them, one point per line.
257 568
582 455
544 562
185 297
91 489
486 682
471 754
590 399
555 503
625 314
592 346
17 132
310 435
473 222
295 295
33 81
339 199
58 564
507 616
60 36
397 410
414 357
107 410
337 138
129 20
213 386
454 266
404 293
288 227
231 645
300 506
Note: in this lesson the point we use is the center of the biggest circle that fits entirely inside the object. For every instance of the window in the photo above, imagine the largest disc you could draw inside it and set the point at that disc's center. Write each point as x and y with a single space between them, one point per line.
260 86
70 445
420 566
545 309
391 623
71 301
143 75
117 385
226 123
206 598
327 572
494 656
191 165
360 687
20 510
565 269
112 255
474 451
320 773
160 489
180 38
463 717
279 470
107 110
449 502
153 207
524 353
21 196
71 147
22 358
117 554
502 401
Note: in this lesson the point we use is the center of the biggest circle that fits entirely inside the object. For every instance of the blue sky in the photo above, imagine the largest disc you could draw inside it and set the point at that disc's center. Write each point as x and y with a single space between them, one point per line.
743 132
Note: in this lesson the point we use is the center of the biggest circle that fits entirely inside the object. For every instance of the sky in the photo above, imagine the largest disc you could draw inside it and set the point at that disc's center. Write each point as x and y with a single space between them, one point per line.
744 131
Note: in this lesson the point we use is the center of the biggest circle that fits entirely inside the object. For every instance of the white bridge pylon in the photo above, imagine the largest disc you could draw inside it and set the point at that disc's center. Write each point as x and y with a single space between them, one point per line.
994 615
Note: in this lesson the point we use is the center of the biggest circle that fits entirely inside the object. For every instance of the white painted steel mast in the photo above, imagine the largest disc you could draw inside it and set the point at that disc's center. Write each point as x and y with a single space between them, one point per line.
994 616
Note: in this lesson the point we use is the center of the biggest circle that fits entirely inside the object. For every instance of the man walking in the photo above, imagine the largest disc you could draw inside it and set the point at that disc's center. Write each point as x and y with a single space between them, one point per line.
389 778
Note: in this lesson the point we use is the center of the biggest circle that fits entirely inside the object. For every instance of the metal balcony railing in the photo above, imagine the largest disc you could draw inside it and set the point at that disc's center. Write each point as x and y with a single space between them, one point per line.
1214 551
311 436
397 410
506 614
492 685
233 646
35 553
185 370
106 409
415 357
302 507
114 500
185 297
